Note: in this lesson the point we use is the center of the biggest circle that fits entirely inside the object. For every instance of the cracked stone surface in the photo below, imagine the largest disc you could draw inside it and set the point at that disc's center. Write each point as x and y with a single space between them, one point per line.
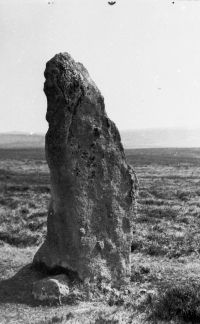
93 189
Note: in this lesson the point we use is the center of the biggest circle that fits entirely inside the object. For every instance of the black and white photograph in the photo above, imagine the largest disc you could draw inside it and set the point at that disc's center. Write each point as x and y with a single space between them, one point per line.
99 161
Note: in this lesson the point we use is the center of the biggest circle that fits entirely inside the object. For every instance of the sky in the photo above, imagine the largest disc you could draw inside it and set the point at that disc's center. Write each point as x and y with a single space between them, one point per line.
144 56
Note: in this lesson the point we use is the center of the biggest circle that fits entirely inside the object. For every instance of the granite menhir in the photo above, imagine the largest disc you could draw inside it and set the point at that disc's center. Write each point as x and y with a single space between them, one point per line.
93 189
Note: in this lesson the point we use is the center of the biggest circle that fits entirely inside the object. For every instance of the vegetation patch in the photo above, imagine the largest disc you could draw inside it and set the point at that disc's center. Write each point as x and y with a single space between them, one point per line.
180 300
165 247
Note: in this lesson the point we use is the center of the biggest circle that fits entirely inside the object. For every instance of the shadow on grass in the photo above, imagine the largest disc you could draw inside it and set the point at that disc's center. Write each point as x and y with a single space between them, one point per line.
18 289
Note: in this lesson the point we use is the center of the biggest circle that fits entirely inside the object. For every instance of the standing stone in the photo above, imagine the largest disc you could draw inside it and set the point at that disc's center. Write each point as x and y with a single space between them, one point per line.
93 189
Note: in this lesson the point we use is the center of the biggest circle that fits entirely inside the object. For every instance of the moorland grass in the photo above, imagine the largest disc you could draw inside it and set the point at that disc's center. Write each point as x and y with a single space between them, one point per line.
166 234
178 301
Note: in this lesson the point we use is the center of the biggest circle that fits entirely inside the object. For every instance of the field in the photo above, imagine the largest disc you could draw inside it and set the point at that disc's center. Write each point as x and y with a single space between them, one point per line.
165 280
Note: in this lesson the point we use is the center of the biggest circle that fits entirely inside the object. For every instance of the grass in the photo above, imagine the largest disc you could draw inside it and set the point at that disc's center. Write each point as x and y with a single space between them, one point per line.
24 197
165 250
180 301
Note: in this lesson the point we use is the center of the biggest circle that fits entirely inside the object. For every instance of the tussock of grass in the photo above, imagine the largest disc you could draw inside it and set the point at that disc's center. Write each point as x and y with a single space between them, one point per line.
103 320
180 300
139 272
152 201
54 319
24 239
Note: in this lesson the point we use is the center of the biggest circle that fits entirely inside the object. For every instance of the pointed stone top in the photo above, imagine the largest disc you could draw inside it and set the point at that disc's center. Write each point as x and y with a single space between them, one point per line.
71 72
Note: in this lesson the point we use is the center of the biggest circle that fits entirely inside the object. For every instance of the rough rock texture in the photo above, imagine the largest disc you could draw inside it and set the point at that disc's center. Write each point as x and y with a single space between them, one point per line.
50 289
93 189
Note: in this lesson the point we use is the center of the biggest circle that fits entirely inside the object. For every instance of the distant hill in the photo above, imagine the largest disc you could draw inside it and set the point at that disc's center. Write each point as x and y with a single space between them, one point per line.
21 140
146 138
149 138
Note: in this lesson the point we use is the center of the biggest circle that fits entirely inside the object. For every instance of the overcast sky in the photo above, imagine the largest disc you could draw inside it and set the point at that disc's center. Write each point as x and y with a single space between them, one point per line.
144 56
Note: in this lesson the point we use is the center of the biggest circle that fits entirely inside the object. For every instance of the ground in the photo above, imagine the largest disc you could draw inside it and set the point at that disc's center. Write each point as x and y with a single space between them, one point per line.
165 250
